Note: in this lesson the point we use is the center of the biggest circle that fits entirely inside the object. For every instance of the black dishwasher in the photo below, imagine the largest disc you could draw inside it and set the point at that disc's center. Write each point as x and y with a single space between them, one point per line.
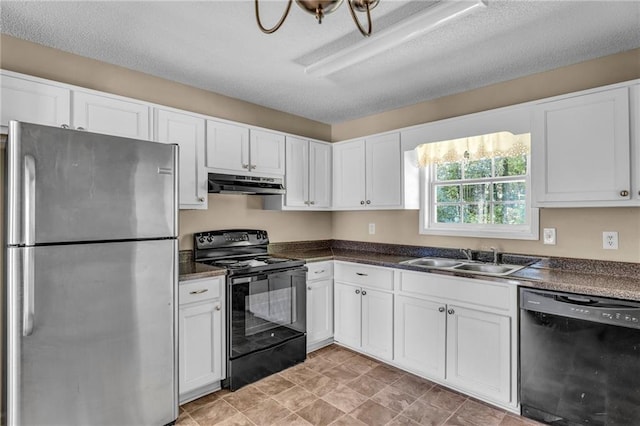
579 359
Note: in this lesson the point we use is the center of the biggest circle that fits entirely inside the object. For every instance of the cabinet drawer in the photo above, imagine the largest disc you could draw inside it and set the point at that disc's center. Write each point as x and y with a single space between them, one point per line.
319 270
365 275
198 290
467 290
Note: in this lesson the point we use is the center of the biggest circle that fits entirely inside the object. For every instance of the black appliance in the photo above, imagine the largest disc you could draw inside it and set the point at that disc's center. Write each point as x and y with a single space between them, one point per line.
266 303
229 184
579 359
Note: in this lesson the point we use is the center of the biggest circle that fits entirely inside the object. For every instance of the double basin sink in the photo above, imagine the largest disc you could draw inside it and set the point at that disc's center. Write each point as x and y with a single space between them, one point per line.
464 266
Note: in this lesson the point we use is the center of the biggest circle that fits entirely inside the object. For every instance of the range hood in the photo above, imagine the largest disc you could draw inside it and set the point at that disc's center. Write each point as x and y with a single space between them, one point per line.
238 184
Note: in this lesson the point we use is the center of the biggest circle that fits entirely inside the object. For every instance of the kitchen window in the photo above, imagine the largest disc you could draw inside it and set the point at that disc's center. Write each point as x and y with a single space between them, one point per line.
478 186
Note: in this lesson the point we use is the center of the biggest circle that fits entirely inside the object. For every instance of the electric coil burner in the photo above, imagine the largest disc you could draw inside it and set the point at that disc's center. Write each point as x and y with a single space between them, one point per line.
266 303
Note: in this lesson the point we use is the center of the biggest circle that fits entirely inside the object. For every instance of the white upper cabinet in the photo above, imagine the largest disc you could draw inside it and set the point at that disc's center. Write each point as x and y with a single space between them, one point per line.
111 115
236 149
227 147
368 173
266 153
34 102
581 151
308 175
188 132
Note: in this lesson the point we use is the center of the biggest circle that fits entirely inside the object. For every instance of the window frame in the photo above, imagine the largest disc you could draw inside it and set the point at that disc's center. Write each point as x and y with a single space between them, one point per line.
528 231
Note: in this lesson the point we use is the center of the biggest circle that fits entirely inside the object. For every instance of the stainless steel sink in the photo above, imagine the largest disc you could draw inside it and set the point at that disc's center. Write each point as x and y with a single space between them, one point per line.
463 266
489 269
434 262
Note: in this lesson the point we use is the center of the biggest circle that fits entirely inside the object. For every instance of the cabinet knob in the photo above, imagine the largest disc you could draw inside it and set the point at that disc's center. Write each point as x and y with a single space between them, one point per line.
306 202
441 309
309 288
79 128
364 293
362 203
357 291
218 307
368 201
624 193
201 199
451 311
251 167
312 202
245 166
65 126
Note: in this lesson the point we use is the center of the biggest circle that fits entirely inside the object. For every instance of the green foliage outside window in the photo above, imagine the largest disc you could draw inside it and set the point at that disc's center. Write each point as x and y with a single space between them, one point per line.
487 191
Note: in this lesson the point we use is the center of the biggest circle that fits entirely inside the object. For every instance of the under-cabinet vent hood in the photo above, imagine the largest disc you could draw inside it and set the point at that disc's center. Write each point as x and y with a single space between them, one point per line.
238 184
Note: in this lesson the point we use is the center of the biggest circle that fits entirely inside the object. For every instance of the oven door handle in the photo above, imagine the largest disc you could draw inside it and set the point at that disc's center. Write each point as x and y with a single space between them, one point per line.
265 276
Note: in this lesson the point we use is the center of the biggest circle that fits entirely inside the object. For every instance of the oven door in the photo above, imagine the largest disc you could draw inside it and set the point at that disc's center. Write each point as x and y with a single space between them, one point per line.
265 310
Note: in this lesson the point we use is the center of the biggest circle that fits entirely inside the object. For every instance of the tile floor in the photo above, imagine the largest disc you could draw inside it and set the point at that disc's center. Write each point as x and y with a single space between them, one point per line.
335 386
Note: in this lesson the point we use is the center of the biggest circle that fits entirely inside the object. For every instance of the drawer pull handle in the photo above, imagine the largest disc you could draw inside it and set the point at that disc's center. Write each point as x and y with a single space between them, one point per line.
319 272
441 309
204 290
362 274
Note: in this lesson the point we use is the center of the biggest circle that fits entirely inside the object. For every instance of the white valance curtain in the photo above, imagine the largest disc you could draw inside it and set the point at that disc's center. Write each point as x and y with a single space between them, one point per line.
500 144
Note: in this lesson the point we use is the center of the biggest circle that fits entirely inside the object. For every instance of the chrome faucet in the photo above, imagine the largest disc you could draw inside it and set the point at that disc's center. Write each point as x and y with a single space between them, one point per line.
468 253
496 255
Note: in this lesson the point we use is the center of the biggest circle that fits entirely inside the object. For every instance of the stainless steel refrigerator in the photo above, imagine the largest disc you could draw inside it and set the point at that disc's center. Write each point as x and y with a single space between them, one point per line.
90 279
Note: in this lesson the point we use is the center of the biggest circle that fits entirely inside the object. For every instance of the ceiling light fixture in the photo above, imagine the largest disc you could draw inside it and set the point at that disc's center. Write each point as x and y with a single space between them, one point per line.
418 25
319 8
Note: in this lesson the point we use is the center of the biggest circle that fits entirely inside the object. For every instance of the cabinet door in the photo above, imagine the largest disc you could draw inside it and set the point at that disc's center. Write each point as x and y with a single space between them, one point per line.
349 175
420 335
188 132
319 175
227 147
580 149
377 323
319 311
112 116
384 178
34 102
635 140
479 352
266 153
347 314
200 345
297 176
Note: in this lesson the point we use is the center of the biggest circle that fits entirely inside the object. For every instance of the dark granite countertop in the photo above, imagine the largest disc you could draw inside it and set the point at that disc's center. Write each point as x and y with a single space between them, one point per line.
595 278
189 270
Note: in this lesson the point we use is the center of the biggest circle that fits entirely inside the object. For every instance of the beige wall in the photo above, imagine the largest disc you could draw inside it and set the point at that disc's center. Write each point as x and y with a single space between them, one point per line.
579 230
228 211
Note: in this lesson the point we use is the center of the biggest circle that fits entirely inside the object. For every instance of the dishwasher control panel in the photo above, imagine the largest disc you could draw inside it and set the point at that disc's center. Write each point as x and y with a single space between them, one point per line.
602 310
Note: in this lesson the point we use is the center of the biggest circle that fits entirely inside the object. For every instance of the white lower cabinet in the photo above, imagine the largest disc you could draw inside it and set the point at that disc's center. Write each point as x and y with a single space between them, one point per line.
420 334
479 352
319 304
364 308
460 332
201 337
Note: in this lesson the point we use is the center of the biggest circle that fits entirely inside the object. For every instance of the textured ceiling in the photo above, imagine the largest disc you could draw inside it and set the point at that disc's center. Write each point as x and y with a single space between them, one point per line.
215 45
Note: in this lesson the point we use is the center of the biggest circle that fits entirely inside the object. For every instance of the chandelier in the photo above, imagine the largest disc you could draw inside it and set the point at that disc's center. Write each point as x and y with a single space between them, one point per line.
319 8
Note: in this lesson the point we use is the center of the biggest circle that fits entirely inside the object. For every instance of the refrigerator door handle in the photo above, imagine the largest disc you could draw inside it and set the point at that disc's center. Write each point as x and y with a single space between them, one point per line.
29 219
28 314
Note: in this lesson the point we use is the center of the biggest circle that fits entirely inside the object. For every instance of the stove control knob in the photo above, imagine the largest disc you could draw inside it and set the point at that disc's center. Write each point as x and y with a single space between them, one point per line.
201 240
210 238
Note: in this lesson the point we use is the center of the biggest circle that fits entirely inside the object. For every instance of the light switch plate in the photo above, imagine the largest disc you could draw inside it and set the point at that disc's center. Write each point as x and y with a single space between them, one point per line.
610 240
549 236
372 228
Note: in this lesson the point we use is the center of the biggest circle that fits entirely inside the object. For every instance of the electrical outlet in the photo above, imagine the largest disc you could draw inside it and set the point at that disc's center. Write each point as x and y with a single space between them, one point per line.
372 228
610 240
549 236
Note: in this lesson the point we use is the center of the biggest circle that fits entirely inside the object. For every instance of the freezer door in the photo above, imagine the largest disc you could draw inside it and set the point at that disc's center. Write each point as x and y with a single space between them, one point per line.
69 186
91 334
